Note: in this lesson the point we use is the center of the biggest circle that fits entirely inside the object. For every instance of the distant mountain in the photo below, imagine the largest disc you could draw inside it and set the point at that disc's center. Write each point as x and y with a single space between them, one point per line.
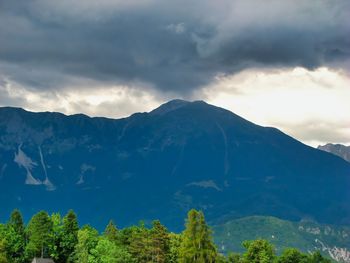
159 164
332 241
337 149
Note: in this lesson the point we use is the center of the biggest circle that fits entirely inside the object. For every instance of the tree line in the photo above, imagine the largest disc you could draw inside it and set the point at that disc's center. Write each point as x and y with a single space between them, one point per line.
64 241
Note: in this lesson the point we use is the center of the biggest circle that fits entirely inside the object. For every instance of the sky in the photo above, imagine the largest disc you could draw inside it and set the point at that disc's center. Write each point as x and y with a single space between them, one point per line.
277 63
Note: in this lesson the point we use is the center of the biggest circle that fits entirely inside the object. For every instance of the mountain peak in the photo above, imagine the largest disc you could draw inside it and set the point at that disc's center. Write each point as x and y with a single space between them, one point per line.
170 106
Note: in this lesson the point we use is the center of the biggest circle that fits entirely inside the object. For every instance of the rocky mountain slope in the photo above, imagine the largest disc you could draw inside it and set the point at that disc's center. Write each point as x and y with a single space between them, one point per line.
159 164
337 149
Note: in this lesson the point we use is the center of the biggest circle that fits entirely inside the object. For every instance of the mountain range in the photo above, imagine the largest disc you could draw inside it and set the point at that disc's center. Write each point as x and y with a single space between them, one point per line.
159 164
337 149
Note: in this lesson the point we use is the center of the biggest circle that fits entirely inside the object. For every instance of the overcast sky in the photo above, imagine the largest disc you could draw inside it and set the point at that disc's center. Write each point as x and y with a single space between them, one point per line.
277 63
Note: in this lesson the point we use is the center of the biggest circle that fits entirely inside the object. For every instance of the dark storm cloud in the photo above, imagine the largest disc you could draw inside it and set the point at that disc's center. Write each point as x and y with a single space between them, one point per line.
172 46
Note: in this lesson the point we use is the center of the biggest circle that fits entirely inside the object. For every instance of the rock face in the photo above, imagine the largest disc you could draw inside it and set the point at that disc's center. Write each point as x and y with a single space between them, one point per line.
337 149
153 165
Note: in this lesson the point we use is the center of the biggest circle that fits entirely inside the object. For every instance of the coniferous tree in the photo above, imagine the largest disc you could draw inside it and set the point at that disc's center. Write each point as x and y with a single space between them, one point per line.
197 245
124 237
160 242
140 246
16 221
111 232
189 246
15 237
69 238
39 232
206 244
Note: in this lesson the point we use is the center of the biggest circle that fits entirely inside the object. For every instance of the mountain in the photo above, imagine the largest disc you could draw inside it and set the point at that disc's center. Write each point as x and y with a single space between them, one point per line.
337 149
159 164
332 241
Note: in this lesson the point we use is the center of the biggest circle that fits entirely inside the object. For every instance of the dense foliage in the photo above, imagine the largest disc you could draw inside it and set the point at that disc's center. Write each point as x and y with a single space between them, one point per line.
62 240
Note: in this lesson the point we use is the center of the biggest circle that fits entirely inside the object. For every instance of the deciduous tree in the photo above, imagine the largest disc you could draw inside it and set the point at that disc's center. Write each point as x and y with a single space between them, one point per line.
87 241
258 251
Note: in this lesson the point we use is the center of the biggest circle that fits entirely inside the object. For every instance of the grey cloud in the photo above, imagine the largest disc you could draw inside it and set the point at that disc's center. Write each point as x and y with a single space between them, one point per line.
172 46
7 100
324 131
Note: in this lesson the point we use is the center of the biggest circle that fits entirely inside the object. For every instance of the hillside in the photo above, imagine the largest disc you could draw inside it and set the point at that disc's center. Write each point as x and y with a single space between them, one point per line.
332 241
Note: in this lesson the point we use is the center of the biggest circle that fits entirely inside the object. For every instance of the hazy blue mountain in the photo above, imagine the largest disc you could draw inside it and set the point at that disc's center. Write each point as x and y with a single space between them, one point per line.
337 149
162 163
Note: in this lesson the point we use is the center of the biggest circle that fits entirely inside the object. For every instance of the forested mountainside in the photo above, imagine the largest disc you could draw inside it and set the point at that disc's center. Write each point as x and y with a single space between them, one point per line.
307 236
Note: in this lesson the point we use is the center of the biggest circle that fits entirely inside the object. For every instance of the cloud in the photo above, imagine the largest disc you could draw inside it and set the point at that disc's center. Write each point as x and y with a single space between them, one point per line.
97 100
171 46
277 63
312 106
177 28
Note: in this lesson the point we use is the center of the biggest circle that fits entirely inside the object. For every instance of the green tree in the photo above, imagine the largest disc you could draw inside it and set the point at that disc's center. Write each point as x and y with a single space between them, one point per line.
3 251
111 232
197 244
292 255
16 221
174 246
124 236
87 241
69 238
107 251
234 258
316 257
258 251
15 237
160 242
39 232
140 243
221 259
54 247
